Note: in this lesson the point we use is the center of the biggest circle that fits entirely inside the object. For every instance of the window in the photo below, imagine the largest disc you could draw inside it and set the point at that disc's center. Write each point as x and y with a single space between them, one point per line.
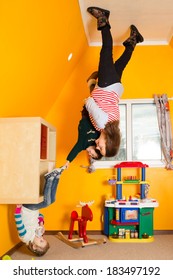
140 136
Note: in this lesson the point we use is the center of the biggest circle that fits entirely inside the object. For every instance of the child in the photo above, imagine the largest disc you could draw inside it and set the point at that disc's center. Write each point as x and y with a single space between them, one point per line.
30 223
103 104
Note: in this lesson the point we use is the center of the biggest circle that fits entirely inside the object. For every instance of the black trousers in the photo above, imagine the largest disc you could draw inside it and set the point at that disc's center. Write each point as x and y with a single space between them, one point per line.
110 72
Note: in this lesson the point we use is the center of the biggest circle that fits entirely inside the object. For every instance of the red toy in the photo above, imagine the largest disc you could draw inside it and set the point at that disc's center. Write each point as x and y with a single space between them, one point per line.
82 220
82 240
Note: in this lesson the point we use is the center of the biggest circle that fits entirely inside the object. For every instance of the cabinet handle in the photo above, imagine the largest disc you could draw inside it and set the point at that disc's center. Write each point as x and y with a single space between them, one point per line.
147 213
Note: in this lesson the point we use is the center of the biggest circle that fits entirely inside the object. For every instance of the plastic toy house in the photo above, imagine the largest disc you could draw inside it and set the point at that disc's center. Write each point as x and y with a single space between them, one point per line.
130 220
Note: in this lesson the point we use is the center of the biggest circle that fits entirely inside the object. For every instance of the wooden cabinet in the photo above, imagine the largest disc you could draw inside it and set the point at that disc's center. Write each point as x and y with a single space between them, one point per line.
27 152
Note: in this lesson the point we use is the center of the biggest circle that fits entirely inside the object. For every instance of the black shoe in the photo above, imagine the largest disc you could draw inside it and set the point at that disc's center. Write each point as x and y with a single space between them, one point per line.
101 15
98 12
135 37
135 33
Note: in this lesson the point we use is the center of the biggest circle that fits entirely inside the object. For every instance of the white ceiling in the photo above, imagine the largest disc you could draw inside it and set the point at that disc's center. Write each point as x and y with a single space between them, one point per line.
153 18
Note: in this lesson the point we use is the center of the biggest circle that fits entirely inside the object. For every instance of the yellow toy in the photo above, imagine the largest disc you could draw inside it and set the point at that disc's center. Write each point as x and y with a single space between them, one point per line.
6 258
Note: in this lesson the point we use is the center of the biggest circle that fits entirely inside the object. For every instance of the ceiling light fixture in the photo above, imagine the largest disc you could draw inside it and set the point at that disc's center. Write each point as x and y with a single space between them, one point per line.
70 56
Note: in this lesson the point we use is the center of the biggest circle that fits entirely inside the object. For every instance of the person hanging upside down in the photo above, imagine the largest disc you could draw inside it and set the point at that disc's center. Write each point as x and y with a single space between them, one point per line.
102 105
30 223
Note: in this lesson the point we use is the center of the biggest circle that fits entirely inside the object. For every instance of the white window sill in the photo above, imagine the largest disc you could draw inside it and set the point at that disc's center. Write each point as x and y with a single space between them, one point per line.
110 164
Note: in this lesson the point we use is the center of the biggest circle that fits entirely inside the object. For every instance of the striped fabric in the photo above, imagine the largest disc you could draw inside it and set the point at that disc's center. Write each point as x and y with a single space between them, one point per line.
27 221
19 224
108 102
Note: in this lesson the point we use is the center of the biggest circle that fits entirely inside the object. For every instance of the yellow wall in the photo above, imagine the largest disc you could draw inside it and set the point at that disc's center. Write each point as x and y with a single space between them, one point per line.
149 72
37 80
36 38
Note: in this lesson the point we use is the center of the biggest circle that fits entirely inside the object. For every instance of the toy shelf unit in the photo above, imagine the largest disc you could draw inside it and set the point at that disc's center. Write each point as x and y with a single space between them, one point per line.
28 151
131 219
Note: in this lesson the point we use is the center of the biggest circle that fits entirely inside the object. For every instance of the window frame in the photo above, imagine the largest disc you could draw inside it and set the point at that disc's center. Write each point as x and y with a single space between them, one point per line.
104 164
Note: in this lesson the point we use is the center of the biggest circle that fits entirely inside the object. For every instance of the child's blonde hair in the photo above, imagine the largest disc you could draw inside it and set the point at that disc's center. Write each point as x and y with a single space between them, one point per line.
39 251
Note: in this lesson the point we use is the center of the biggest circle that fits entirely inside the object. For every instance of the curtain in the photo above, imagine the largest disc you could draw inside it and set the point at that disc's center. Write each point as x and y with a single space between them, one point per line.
164 122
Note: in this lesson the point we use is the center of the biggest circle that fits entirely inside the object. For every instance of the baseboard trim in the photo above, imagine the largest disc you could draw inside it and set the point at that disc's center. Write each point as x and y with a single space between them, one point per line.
98 232
54 232
12 250
163 232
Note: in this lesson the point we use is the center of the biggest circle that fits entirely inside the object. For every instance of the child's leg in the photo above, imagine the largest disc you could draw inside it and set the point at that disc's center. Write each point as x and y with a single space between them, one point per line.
50 189
47 196
130 43
107 74
123 60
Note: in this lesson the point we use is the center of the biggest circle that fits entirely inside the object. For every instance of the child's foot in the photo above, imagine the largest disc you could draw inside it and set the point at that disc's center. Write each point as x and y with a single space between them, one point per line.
54 172
135 33
98 12
135 37
101 15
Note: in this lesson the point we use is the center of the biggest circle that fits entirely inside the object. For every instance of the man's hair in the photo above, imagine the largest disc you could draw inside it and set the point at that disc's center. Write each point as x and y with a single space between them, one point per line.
113 138
38 251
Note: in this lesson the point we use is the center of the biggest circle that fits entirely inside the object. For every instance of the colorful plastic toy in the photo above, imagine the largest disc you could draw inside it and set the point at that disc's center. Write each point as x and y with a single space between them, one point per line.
82 240
6 258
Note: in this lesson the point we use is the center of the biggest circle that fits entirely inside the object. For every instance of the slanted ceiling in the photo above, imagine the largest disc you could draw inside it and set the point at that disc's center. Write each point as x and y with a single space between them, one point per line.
154 18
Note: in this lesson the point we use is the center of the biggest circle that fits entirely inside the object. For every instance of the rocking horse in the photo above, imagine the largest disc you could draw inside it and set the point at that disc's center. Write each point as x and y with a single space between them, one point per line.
82 240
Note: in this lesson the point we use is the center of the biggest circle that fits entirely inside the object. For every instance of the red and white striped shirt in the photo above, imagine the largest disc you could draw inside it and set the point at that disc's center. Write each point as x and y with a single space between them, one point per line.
106 99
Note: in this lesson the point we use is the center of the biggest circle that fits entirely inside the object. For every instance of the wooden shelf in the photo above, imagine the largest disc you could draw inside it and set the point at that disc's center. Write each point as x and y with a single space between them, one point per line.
114 222
132 240
28 151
